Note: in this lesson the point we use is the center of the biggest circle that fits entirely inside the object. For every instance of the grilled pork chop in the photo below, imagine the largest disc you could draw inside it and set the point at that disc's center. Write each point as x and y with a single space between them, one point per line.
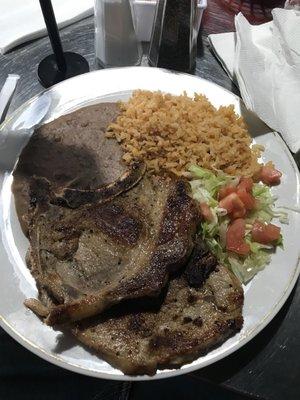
97 255
188 322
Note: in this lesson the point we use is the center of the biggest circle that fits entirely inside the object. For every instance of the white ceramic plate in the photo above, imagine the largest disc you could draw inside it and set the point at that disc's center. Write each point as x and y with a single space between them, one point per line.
264 295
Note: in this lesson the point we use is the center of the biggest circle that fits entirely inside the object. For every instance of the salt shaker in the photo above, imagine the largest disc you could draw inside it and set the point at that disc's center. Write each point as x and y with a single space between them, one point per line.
174 35
116 44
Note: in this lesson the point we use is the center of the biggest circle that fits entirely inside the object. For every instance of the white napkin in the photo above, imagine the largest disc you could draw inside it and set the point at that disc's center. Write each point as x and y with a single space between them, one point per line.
265 62
22 20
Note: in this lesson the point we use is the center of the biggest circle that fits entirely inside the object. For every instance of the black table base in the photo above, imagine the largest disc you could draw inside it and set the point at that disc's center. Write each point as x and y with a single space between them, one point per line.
60 65
49 74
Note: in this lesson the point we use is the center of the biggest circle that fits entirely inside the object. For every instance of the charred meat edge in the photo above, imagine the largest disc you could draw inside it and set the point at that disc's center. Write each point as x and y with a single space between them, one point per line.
41 189
74 198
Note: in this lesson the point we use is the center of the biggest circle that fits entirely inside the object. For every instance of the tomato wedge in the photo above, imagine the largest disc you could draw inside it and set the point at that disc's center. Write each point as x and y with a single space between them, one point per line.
225 191
246 184
247 199
206 212
235 237
264 233
270 176
234 205
241 213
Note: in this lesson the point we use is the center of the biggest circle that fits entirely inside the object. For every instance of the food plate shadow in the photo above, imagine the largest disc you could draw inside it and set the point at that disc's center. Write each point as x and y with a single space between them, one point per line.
65 341
256 127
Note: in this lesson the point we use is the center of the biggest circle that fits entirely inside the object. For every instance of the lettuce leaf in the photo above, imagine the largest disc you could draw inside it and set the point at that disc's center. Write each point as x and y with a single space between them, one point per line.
210 181
245 269
265 205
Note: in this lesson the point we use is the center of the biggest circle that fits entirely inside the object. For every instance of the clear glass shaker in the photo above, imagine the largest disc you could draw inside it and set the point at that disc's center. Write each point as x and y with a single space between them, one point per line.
116 44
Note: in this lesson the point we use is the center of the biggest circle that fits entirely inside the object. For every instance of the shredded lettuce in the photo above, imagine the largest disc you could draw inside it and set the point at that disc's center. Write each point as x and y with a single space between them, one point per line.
245 269
265 205
279 242
205 186
211 182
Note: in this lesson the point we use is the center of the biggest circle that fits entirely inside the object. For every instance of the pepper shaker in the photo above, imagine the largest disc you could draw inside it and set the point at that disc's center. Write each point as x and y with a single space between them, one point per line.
174 35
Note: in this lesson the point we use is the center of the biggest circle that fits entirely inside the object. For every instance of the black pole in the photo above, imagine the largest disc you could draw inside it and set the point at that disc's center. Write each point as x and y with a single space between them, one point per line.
52 29
60 65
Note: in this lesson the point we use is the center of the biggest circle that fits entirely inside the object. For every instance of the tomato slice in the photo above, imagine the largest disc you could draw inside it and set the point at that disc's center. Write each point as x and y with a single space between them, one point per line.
241 213
246 184
206 212
234 205
264 233
225 191
235 237
247 199
270 176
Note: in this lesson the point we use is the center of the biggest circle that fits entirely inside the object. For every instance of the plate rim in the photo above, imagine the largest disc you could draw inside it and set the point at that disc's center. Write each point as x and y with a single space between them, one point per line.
58 361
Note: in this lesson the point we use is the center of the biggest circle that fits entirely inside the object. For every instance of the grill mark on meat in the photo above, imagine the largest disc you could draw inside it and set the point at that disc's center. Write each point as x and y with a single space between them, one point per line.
202 263
198 321
115 222
175 208
158 342
191 298
137 324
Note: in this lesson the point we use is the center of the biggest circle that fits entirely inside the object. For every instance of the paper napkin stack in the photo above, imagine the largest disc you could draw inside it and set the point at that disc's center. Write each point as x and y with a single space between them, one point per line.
264 60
